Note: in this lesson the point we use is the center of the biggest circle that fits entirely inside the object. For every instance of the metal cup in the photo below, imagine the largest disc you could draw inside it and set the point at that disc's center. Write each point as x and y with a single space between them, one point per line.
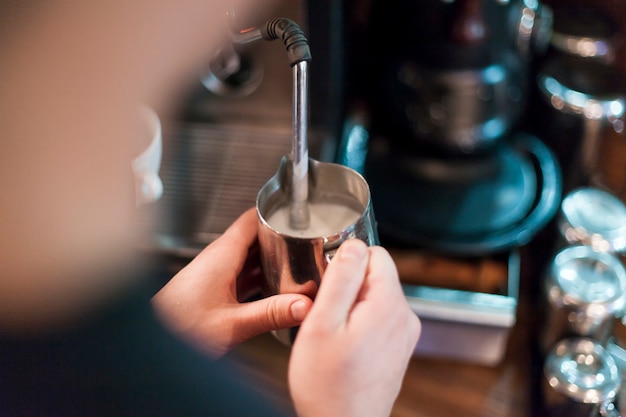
581 380
593 217
586 292
294 262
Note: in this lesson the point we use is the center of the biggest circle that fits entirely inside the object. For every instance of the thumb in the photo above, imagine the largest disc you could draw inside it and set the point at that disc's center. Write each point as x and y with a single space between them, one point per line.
272 313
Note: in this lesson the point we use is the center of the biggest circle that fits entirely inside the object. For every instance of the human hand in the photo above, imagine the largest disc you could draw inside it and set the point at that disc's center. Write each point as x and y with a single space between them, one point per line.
202 302
351 352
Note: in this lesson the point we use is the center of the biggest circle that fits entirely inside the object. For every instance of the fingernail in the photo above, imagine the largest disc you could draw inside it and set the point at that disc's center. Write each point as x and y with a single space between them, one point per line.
298 310
355 249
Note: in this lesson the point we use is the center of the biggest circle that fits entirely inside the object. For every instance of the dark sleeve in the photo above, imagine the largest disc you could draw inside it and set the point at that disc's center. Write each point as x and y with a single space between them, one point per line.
120 363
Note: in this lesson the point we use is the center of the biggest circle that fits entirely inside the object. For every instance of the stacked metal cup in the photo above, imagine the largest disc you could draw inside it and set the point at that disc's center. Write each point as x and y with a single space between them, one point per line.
586 292
585 289
592 217
581 90
582 379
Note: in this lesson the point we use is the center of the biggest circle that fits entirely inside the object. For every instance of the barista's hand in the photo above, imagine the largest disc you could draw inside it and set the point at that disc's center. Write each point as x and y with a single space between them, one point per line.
351 352
201 302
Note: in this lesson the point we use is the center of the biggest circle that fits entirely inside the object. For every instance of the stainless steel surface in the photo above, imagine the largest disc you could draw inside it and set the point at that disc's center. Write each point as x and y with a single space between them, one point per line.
211 174
534 28
585 47
295 264
329 183
618 353
299 216
593 217
268 100
586 100
449 76
233 74
586 291
585 30
581 103
224 147
466 110
466 326
244 37
582 371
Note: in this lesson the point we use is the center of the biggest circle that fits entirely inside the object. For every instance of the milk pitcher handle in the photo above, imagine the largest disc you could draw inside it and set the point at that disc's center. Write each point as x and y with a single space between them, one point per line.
330 254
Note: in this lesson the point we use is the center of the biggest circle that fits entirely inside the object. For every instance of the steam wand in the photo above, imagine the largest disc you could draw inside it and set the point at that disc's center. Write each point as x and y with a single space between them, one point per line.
299 55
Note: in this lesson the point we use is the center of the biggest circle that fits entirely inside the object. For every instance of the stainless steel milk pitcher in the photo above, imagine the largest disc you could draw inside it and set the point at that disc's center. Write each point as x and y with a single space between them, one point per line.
292 263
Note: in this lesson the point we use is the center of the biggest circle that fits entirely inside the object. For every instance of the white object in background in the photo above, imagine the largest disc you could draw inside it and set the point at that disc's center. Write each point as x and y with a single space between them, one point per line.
148 184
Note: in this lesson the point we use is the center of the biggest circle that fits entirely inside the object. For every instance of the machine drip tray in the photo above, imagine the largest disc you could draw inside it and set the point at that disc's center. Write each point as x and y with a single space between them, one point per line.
467 326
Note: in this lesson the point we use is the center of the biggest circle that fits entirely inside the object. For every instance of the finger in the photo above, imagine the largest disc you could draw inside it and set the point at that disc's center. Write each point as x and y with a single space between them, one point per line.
272 313
234 243
342 282
385 291
242 231
382 273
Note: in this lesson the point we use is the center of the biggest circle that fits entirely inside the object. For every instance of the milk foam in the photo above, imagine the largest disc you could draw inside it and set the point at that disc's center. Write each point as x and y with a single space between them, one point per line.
327 218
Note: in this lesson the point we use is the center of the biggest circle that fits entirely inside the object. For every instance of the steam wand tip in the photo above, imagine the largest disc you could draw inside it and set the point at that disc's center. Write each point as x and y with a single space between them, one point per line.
299 215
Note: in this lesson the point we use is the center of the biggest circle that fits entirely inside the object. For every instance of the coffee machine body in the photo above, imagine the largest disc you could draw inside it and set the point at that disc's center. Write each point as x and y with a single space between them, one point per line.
451 76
